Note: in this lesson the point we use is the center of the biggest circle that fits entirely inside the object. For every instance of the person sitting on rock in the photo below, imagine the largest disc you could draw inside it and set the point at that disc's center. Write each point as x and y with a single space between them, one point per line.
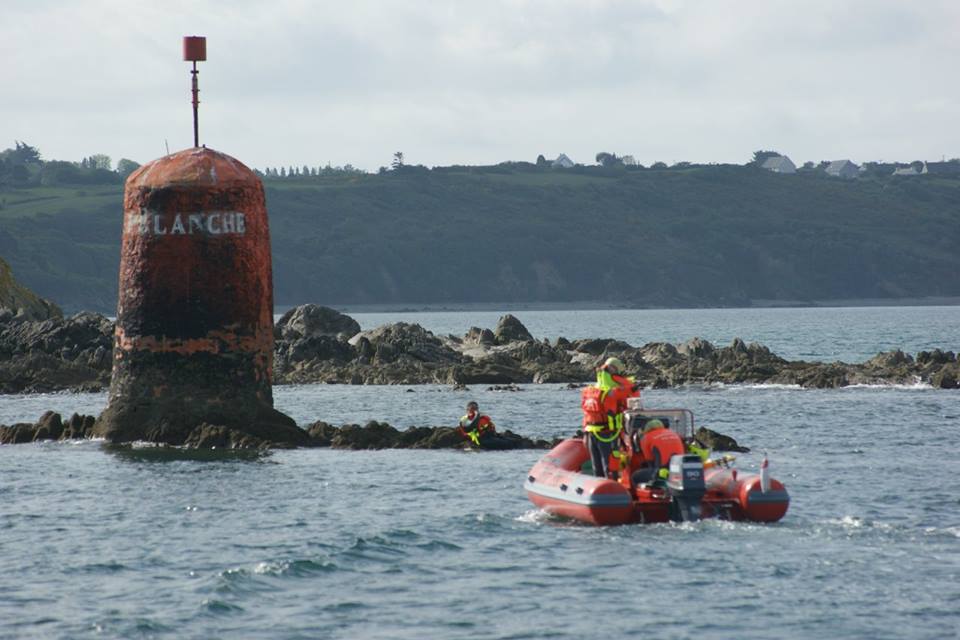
603 405
477 427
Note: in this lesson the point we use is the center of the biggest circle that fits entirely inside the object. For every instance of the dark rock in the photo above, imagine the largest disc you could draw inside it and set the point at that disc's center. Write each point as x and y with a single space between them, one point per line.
697 348
823 376
18 433
321 434
661 354
948 377
78 427
504 387
403 341
440 438
488 372
49 427
55 354
509 329
600 346
717 441
935 357
561 372
380 435
290 355
889 360
373 435
313 321
207 436
476 335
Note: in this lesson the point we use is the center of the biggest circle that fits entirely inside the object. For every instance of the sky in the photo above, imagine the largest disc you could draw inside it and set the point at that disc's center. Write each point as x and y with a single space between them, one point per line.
298 82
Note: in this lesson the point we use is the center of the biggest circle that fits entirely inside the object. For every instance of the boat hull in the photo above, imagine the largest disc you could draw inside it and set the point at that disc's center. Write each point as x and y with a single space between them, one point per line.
556 485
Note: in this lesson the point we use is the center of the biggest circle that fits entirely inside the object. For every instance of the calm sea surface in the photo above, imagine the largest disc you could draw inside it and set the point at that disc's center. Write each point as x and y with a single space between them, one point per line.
97 543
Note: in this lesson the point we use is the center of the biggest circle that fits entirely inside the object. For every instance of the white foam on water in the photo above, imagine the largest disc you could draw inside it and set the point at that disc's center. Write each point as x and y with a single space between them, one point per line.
747 386
534 516
917 384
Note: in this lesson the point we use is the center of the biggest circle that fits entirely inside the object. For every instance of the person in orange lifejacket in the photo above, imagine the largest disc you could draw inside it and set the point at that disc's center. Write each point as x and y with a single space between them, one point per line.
475 426
657 446
603 405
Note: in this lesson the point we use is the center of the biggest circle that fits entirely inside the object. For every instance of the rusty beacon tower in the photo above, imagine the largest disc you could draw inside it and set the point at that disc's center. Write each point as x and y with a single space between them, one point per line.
193 343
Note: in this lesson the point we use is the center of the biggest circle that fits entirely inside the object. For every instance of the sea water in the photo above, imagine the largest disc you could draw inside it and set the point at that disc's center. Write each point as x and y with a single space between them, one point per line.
102 543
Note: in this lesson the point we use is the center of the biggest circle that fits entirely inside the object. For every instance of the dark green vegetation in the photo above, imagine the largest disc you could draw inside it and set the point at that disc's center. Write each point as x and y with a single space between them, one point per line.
697 236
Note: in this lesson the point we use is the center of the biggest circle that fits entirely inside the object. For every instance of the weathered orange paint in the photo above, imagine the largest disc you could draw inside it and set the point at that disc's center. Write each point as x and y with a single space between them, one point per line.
194 331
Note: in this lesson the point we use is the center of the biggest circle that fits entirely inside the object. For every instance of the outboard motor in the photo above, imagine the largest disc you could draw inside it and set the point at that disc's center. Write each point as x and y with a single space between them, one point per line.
686 487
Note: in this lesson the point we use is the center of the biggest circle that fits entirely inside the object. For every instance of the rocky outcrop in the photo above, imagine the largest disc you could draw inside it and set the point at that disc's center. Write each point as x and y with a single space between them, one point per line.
72 353
717 441
50 426
509 329
311 321
380 435
317 344
373 435
16 301
399 353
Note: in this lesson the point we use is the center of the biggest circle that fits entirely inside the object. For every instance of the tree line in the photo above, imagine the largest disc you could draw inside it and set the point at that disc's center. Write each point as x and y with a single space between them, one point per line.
23 166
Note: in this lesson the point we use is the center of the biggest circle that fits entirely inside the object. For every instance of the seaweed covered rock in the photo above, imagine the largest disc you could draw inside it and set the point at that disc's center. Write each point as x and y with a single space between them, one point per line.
50 426
380 435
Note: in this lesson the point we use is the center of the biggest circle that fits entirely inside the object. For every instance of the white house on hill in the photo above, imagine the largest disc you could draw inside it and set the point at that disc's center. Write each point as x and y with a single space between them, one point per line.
563 161
779 164
843 169
910 170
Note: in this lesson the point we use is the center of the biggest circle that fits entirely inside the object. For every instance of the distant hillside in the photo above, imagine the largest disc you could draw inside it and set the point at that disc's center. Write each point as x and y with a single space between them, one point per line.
698 236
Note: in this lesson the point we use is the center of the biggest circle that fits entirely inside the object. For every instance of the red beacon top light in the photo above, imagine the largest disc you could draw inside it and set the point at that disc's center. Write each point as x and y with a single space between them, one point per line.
194 48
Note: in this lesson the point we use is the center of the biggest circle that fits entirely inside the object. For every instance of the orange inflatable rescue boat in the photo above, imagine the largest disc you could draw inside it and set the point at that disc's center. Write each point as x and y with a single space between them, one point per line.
645 488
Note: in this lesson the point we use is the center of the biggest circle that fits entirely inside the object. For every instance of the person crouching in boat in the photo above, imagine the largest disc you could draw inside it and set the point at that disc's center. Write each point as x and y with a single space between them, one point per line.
479 428
657 445
603 405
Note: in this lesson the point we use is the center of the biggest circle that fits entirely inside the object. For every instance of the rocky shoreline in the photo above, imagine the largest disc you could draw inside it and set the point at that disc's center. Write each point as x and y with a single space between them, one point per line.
317 344
373 435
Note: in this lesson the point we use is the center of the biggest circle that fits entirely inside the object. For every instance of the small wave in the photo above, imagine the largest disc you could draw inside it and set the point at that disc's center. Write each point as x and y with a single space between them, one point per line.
147 626
538 516
219 607
854 524
533 516
294 568
438 545
101 568
239 581
953 532
150 452
375 548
